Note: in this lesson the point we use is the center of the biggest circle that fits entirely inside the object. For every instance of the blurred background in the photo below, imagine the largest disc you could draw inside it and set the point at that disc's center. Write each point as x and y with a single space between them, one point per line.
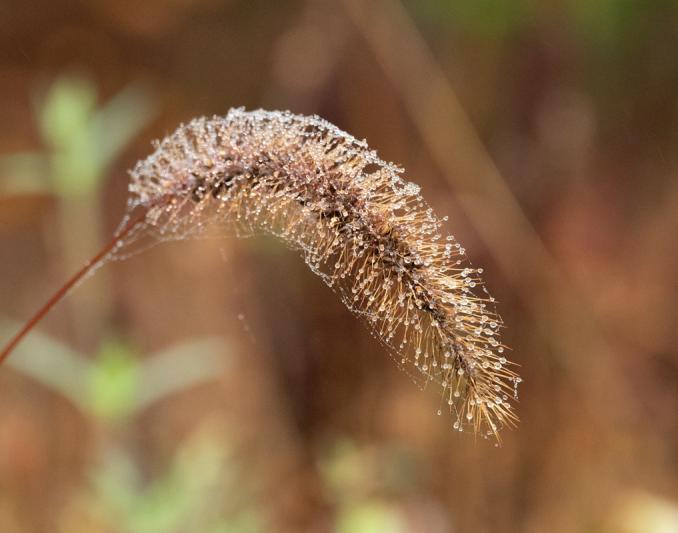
219 386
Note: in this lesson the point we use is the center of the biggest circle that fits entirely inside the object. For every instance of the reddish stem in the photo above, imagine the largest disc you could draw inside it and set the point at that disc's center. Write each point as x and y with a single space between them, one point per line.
58 295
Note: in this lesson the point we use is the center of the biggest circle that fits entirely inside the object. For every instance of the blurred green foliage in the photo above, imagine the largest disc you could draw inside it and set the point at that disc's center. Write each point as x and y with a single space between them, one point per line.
117 385
81 138
113 382
360 479
114 389
370 517
186 498
605 25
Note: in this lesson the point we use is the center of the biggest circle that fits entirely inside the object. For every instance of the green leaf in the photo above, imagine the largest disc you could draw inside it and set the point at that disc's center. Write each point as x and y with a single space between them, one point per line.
85 140
114 383
66 110
50 363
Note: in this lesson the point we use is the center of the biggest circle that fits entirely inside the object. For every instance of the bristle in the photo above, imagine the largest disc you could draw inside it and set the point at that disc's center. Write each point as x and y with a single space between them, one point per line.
367 232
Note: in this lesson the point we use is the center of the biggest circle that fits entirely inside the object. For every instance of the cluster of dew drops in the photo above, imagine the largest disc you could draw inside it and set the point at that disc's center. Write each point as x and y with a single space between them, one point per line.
369 235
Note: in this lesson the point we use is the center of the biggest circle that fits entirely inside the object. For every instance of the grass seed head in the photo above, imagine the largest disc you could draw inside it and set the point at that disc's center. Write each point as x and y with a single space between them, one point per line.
358 224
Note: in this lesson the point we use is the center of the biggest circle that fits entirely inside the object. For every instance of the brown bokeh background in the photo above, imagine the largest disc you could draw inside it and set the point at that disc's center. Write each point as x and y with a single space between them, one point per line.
547 131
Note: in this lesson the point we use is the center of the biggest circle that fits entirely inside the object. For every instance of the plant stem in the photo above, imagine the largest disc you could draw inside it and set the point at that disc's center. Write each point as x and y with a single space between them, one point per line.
63 290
